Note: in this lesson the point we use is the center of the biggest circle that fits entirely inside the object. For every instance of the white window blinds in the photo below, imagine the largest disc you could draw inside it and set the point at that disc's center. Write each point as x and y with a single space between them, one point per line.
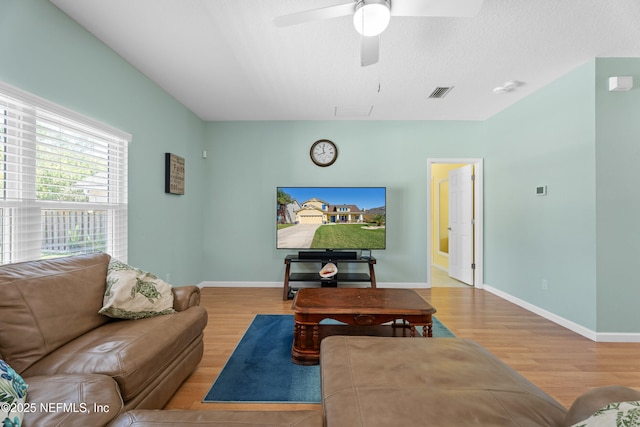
63 181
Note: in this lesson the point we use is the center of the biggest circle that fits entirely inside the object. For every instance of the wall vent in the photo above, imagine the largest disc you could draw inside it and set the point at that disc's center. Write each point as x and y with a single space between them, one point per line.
440 92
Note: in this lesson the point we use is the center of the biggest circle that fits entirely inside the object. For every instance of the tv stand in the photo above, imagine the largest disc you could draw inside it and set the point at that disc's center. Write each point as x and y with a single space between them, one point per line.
321 258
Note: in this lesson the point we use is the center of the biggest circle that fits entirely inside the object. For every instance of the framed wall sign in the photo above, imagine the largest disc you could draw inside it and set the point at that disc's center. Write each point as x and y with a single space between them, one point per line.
173 174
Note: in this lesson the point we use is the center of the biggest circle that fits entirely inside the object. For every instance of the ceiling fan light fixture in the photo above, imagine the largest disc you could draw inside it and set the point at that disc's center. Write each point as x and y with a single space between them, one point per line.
371 17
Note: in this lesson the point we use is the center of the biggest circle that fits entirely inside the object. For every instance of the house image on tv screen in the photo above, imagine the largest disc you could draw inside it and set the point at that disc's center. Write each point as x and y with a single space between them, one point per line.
331 218
316 211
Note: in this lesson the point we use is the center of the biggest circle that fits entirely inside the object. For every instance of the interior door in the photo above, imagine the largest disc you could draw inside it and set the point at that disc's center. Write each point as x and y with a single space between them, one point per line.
461 224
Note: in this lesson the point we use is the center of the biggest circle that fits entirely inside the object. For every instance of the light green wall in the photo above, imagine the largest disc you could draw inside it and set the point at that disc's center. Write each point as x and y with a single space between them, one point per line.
46 53
548 138
248 160
573 136
618 198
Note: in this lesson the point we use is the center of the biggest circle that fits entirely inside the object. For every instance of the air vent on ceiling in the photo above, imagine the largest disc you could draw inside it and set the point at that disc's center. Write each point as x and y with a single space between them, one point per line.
440 92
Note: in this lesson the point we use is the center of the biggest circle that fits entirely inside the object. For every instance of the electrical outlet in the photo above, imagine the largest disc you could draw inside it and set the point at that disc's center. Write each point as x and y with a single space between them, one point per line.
545 284
167 277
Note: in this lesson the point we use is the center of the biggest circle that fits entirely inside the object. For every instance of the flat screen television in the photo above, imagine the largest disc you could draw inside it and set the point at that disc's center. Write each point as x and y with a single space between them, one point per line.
331 218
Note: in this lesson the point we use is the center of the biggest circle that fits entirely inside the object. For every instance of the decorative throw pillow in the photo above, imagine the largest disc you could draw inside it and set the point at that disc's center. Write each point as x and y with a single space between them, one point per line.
135 294
622 414
13 394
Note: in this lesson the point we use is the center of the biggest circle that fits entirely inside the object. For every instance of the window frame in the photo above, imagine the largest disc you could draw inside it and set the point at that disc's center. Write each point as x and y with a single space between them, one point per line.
19 203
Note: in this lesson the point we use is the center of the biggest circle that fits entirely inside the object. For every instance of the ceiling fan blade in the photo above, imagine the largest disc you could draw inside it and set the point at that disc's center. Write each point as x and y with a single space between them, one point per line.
315 15
444 8
370 50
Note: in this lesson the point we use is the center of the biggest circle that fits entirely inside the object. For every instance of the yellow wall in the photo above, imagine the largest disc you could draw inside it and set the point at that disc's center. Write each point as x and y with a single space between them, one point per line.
440 172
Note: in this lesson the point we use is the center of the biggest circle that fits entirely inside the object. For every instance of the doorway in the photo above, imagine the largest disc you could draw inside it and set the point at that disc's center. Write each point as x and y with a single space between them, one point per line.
454 215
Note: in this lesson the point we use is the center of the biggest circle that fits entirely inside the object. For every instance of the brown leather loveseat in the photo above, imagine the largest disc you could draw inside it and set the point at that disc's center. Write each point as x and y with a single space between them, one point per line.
389 382
86 369
83 368
381 382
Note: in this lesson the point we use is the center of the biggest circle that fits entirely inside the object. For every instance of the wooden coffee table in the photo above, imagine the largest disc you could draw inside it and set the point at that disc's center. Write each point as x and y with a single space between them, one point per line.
363 312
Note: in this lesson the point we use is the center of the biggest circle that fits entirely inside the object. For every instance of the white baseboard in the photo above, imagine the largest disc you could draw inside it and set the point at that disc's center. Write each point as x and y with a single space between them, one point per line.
618 337
572 326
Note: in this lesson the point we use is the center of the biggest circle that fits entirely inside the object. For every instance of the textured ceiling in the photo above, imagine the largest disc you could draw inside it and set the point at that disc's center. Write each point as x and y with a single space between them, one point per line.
225 60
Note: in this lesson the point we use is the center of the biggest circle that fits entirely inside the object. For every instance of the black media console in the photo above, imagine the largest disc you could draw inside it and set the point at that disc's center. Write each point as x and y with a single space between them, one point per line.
321 258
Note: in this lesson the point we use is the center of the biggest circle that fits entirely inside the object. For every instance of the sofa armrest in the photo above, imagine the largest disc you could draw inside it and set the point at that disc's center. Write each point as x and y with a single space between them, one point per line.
71 400
588 403
185 297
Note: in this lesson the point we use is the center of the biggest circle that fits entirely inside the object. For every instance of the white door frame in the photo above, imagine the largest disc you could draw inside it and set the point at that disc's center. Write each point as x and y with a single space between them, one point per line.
477 214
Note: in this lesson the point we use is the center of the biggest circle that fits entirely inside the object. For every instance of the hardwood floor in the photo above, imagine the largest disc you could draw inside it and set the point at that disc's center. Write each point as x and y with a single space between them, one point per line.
561 362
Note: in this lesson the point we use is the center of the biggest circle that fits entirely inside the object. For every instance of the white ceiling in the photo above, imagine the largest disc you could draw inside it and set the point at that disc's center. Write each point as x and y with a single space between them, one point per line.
225 60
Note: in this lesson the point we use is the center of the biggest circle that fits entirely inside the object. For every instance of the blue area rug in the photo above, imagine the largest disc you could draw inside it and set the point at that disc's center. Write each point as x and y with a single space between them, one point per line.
260 368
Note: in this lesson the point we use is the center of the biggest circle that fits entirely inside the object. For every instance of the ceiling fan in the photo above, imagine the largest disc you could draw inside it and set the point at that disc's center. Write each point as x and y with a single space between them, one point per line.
371 17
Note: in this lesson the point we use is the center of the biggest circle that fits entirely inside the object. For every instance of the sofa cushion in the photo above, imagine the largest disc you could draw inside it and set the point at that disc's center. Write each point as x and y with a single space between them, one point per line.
374 381
133 352
589 402
132 293
13 394
621 414
72 401
46 304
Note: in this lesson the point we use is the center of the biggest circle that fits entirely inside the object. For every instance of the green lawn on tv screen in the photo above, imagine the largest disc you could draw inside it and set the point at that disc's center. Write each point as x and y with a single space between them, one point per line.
348 236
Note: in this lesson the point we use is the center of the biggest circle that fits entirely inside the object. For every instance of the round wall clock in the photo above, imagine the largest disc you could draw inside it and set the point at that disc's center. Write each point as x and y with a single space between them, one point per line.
323 152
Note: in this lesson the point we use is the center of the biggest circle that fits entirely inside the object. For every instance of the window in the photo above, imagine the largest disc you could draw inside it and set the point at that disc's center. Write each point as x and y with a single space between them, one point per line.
63 181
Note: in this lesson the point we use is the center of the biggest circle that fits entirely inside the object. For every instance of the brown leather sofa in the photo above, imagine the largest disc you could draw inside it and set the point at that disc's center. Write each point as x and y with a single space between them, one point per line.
369 381
213 418
83 368
388 382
